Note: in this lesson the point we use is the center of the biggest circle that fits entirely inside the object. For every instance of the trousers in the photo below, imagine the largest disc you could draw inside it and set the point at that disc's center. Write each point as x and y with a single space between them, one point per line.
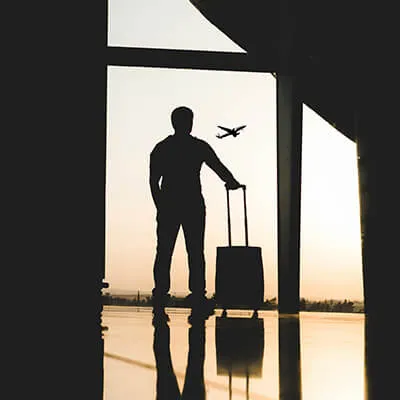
169 220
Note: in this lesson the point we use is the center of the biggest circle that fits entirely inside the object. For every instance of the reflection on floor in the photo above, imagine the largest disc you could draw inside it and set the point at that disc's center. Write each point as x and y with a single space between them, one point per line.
240 356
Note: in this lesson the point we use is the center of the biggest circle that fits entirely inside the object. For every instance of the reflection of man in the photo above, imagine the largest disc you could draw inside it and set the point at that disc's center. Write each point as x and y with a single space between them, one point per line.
177 161
167 385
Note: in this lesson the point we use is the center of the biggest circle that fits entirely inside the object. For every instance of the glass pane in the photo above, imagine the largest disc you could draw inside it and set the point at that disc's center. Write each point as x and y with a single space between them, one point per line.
172 24
331 266
140 101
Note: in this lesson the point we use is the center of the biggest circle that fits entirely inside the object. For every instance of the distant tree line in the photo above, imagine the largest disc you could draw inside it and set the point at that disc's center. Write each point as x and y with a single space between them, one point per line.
144 300
331 306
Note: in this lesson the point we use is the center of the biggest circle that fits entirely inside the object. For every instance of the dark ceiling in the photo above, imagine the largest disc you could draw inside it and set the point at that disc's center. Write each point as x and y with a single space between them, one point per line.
336 44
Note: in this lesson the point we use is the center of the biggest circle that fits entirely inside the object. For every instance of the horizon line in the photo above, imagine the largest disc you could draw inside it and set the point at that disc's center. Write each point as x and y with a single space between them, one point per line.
133 292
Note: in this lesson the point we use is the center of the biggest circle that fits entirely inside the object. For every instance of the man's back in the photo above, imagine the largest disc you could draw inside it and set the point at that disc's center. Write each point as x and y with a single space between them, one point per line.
178 160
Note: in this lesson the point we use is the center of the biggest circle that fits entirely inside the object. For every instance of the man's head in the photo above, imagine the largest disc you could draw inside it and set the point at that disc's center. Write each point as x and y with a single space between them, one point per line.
182 120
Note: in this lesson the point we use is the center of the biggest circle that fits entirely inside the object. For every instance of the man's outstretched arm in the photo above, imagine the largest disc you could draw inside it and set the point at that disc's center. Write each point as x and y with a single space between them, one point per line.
216 165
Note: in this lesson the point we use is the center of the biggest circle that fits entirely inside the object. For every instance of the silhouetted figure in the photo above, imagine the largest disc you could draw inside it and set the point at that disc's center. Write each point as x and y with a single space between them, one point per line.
167 385
176 162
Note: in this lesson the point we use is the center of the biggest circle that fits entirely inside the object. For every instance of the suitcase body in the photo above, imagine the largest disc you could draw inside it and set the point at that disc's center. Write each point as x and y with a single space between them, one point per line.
239 278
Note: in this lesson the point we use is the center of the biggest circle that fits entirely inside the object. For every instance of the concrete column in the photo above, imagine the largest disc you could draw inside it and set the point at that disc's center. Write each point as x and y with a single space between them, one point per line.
376 126
289 137
377 131
379 177
83 141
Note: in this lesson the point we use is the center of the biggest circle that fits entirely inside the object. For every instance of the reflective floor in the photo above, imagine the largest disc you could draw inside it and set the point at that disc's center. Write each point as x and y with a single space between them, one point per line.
313 356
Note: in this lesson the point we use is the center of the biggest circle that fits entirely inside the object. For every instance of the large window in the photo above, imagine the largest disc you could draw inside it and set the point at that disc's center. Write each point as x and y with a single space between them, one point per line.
140 101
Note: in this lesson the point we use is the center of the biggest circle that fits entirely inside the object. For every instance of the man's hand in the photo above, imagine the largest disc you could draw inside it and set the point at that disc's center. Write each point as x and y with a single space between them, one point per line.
233 185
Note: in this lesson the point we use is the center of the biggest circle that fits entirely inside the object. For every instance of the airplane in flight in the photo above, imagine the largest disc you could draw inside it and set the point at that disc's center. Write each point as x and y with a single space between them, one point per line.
234 131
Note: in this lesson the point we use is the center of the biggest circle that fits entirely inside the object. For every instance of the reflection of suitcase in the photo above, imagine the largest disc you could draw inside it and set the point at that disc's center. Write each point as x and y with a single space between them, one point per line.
239 344
239 278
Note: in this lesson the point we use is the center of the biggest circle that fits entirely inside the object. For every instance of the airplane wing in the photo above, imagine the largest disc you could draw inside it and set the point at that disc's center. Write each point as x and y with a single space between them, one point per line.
222 136
225 129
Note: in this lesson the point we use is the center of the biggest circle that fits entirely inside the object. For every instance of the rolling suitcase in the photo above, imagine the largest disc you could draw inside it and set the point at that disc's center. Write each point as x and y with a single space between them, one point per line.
239 277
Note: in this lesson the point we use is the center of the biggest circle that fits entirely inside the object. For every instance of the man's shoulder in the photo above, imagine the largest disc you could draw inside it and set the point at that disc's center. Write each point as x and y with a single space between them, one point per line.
170 141
200 142
161 144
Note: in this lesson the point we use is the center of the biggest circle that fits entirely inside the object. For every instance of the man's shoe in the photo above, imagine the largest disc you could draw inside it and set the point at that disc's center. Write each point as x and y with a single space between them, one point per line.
188 301
200 314
196 318
158 301
203 306
159 316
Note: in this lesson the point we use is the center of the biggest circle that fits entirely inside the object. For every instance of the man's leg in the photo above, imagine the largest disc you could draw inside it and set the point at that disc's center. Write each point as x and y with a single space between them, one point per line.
193 225
167 231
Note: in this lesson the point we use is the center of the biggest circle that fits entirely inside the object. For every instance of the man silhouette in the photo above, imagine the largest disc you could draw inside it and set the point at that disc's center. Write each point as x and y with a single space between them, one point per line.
177 161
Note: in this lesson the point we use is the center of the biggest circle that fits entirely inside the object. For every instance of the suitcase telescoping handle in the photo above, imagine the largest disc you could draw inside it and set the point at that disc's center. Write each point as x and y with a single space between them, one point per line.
245 217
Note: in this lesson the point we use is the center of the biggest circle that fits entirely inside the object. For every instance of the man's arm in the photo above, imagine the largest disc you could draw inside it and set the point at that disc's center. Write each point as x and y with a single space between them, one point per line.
155 176
212 160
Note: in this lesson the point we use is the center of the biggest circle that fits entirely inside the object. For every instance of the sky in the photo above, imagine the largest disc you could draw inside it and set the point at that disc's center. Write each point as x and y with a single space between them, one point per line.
139 104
